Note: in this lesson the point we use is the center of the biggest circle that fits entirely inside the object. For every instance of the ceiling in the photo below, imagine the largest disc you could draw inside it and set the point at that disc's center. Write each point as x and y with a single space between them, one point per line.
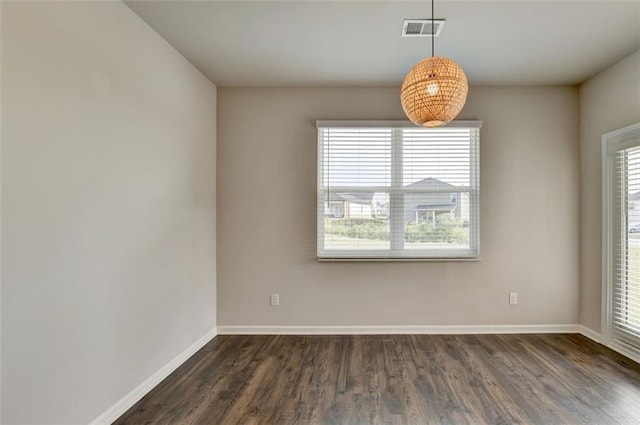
358 43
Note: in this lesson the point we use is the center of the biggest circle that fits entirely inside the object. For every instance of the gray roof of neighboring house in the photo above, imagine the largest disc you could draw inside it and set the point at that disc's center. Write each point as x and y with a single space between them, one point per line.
430 182
354 198
436 207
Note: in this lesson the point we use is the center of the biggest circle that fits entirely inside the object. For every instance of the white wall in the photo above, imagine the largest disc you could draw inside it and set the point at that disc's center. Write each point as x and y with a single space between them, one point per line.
608 101
267 222
108 196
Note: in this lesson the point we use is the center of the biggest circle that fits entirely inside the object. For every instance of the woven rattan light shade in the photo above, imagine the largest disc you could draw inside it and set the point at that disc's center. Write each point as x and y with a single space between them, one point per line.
434 91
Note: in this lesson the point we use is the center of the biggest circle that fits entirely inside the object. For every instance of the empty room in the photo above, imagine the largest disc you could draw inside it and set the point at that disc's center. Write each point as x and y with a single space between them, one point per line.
320 212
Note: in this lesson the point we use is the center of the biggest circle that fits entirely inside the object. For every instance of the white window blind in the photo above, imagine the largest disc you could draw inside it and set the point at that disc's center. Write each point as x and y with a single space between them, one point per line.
622 235
390 190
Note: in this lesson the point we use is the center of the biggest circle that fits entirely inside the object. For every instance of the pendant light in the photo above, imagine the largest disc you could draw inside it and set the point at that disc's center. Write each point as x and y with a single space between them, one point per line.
434 91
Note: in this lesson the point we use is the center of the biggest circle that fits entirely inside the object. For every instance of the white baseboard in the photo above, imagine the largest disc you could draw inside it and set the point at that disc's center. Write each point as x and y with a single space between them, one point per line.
625 350
126 402
590 333
381 330
620 347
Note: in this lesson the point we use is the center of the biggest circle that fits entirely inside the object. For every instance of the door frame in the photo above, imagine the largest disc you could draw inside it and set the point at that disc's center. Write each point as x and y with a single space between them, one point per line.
622 138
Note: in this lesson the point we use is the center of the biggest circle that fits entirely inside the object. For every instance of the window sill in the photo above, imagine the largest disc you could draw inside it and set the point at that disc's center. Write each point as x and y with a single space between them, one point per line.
394 260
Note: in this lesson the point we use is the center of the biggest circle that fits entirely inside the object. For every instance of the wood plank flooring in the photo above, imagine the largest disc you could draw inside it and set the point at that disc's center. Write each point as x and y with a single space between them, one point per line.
397 379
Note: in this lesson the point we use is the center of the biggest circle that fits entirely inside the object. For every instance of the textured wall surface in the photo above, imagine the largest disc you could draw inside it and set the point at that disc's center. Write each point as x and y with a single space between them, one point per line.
608 101
267 215
108 208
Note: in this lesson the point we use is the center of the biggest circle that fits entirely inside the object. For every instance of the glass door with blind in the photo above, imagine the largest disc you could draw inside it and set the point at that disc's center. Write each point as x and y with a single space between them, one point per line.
621 240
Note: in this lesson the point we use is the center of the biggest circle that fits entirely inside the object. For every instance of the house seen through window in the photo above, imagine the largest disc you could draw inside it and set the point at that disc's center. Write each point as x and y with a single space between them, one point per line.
396 191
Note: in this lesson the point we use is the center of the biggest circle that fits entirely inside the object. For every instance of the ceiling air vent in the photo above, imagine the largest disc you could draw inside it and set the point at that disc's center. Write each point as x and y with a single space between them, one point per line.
421 27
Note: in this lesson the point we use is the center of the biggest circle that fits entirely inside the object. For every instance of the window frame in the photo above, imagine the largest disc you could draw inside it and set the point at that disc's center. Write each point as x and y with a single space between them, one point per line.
612 143
396 224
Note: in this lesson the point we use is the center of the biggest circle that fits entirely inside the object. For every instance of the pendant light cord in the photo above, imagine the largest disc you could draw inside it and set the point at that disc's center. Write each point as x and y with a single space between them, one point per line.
433 30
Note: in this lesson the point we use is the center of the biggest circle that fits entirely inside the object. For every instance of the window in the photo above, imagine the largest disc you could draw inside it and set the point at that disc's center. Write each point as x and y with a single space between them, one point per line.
621 240
404 192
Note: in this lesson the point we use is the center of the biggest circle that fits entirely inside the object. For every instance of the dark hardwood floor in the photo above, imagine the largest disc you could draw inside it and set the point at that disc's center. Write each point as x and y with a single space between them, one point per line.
397 379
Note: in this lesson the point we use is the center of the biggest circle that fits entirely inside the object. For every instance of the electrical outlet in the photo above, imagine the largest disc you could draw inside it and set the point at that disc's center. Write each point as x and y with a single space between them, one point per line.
275 300
513 298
